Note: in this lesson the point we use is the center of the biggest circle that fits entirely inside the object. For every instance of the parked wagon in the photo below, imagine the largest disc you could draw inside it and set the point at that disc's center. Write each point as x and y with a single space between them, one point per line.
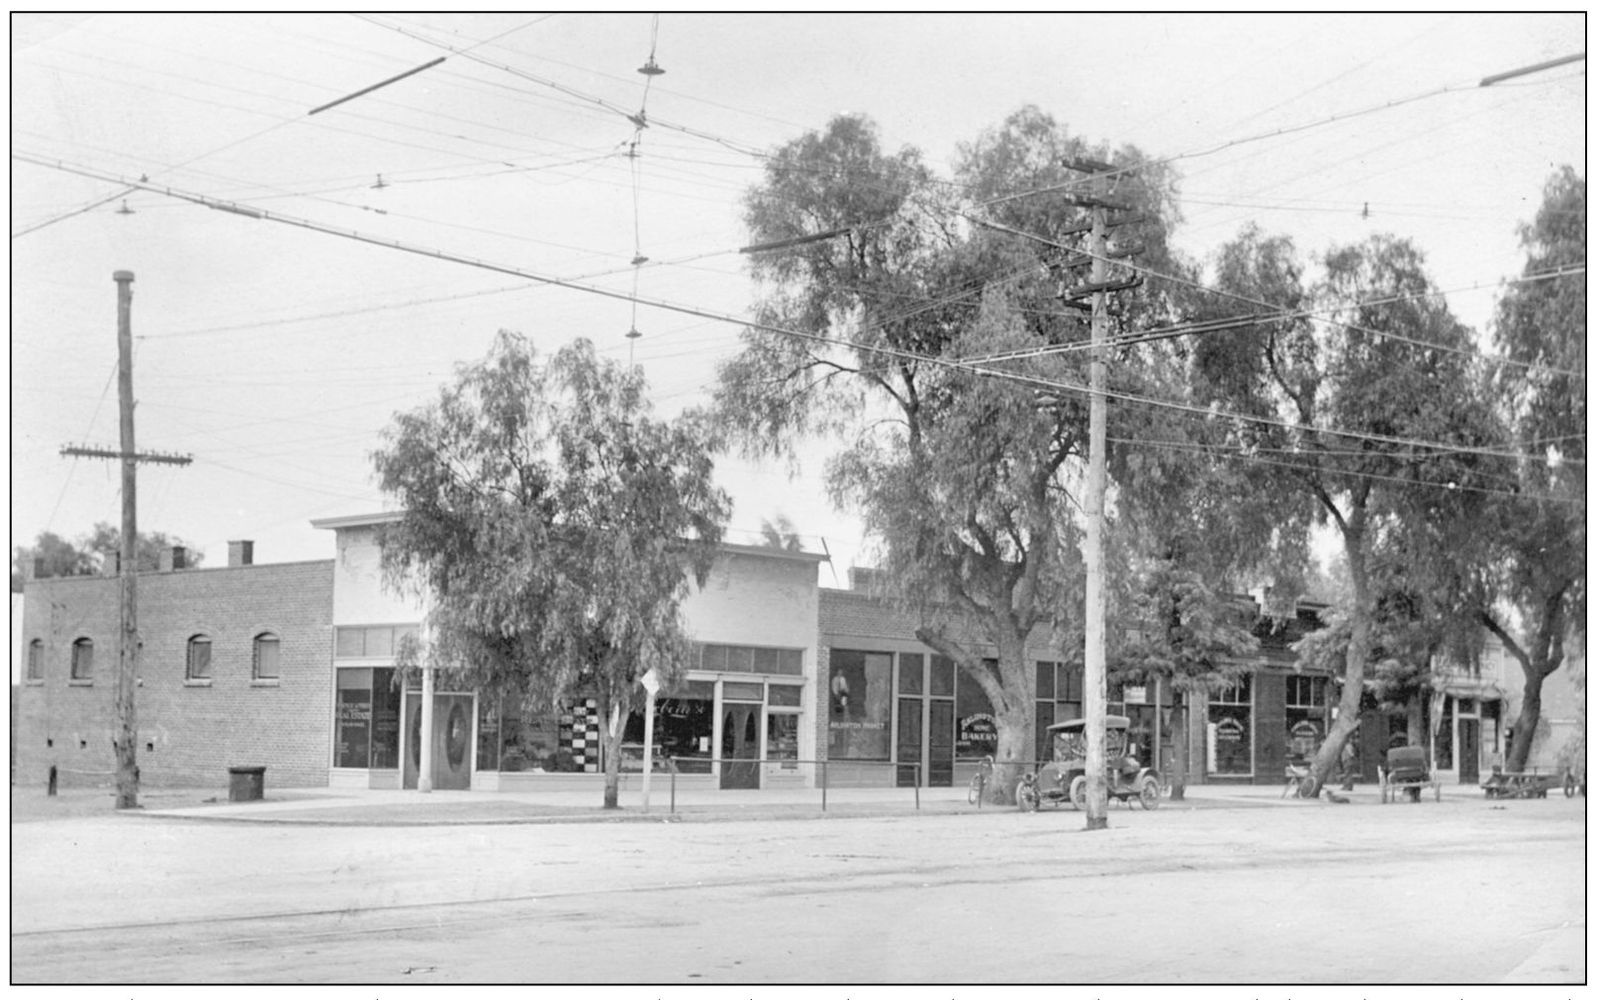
1408 773
1532 784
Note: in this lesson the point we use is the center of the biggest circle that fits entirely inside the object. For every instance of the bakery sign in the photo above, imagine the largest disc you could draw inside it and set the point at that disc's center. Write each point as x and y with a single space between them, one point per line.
978 733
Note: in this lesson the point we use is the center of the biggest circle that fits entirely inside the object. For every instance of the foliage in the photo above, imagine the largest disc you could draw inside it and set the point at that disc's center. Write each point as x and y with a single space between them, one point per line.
885 334
1537 569
86 556
552 526
1353 403
779 534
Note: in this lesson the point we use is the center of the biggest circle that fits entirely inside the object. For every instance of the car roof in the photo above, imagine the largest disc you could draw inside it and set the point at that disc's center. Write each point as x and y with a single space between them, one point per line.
1110 722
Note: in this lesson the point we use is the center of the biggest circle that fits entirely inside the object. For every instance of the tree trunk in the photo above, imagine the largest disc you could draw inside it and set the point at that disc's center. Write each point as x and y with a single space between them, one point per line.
1359 644
1010 692
1013 757
1531 708
615 727
1414 723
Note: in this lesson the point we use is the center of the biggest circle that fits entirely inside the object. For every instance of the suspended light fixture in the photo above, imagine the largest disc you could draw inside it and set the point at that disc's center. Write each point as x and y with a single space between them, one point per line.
380 183
633 334
125 210
640 260
650 68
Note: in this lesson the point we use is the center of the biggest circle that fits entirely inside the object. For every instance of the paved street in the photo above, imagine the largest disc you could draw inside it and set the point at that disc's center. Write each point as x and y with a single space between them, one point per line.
1251 890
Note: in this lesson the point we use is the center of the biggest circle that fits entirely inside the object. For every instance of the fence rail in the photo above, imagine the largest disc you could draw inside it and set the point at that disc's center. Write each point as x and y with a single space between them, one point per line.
894 769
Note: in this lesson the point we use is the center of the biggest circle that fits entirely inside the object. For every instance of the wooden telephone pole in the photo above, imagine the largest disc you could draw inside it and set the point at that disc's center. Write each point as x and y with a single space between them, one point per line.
126 740
1095 686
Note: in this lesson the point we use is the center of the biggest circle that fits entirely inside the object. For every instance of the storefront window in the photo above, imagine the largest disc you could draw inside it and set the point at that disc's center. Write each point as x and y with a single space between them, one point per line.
976 735
911 668
859 705
782 739
385 718
1306 715
942 681
684 725
488 733
352 734
1231 733
366 724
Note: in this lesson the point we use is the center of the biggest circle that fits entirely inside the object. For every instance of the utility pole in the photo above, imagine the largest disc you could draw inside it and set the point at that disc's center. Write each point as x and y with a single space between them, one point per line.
126 741
1095 693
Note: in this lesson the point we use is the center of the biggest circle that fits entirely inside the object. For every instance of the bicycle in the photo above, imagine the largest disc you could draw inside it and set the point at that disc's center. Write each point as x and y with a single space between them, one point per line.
979 782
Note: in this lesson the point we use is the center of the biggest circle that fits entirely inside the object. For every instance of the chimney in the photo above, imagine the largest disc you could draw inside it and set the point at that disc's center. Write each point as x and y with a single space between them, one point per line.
174 558
241 553
864 579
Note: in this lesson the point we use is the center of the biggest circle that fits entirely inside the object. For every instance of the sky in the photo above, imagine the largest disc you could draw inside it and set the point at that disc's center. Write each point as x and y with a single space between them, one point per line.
275 354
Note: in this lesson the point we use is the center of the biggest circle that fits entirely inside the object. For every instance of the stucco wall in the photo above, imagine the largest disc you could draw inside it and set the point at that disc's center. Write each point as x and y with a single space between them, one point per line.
359 594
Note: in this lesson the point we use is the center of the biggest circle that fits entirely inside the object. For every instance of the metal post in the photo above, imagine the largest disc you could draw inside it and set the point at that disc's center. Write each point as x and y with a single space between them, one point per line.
650 686
424 779
673 762
823 786
918 787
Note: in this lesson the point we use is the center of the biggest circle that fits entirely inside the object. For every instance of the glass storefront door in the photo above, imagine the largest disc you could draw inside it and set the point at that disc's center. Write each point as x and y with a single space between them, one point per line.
451 740
740 746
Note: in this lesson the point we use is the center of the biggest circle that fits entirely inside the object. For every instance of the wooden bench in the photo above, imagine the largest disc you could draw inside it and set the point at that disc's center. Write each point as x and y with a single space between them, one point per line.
1407 771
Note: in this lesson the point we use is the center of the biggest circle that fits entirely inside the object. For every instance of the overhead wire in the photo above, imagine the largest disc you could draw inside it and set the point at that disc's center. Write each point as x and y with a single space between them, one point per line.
933 360
1276 312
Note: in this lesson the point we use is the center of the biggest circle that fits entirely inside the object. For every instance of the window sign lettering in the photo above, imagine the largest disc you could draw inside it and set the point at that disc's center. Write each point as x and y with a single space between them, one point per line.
859 705
354 728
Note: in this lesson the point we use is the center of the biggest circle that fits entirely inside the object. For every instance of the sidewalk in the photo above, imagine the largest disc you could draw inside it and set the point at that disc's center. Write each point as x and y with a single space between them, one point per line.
362 807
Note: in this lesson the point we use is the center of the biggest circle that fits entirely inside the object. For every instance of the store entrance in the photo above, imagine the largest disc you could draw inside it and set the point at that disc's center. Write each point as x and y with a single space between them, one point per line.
1469 751
451 740
740 743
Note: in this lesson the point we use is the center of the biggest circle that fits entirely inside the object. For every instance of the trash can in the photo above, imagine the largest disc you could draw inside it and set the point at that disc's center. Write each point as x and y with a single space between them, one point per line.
246 784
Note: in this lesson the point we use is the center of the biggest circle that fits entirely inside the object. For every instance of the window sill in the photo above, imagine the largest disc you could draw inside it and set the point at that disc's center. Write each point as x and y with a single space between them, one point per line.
266 682
193 683
33 682
79 682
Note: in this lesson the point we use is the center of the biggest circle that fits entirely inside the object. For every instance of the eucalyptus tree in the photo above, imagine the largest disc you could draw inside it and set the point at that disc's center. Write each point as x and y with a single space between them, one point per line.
894 309
1355 401
554 527
1537 572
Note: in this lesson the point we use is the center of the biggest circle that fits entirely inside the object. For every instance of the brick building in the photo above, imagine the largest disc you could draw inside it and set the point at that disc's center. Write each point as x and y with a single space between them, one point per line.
233 671
292 667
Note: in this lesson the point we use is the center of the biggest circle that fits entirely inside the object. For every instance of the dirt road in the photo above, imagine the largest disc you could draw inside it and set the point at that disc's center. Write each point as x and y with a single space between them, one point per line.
1453 892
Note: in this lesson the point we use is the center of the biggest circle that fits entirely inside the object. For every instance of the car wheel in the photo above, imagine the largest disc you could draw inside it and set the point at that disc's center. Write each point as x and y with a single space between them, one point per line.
1079 792
1026 797
1148 793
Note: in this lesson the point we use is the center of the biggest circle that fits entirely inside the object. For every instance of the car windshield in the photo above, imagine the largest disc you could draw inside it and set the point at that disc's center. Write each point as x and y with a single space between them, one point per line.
1071 744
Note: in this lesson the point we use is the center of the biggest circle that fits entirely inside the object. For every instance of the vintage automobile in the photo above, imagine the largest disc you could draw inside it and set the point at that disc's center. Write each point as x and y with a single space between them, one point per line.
1064 778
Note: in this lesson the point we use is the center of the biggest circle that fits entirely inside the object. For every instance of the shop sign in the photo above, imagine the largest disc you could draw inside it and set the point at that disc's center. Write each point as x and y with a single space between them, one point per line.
1229 730
1135 695
980 731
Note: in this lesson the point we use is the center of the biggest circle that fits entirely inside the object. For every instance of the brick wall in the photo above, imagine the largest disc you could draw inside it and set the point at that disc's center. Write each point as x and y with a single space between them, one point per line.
189 734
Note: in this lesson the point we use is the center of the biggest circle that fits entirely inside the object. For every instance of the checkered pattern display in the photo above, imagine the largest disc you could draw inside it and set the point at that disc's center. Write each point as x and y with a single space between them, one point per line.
579 733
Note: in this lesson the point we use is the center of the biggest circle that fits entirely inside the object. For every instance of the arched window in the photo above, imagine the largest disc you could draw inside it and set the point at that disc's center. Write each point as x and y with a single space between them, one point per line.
198 662
36 660
83 659
265 659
